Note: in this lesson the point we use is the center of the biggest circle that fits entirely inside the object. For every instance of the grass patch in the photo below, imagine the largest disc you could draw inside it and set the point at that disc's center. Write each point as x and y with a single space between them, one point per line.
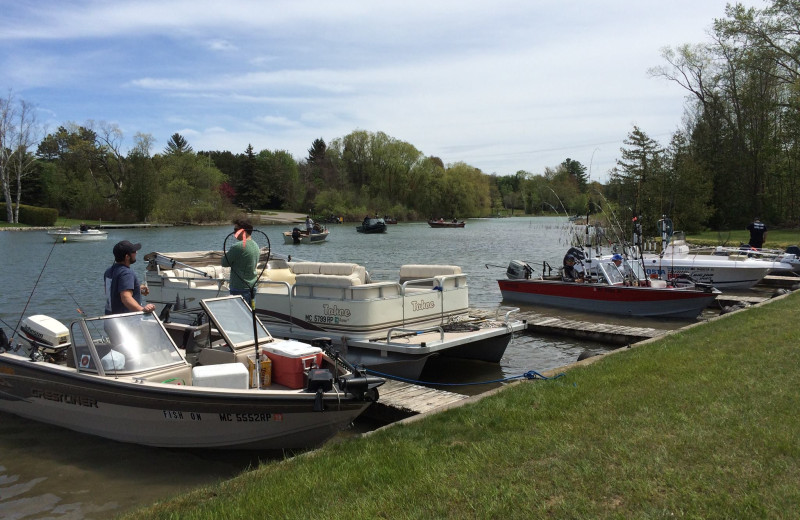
700 424
776 238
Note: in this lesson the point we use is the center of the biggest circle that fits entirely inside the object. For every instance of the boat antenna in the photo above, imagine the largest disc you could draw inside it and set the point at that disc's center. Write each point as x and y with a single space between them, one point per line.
240 233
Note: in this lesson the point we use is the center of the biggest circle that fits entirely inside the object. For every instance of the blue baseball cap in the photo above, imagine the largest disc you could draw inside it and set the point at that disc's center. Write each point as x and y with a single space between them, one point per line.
617 257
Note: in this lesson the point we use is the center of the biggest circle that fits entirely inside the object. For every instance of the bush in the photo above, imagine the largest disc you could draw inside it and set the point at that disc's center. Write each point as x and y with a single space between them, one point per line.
33 216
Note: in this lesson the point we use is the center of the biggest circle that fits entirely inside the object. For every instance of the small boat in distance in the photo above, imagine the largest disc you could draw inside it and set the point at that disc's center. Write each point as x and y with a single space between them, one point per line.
441 223
84 234
372 225
318 235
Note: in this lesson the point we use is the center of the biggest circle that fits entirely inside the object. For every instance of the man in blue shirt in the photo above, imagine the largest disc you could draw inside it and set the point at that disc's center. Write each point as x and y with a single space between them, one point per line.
123 291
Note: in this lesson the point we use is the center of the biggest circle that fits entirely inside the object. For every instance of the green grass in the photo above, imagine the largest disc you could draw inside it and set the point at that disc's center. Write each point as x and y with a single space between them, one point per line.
62 222
700 424
776 238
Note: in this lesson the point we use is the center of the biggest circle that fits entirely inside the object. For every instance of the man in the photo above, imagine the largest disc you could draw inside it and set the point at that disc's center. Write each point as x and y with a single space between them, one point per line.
570 273
758 233
122 288
618 275
309 224
242 258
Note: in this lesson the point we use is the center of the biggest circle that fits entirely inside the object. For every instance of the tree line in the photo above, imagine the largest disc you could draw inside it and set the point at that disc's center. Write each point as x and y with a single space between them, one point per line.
735 156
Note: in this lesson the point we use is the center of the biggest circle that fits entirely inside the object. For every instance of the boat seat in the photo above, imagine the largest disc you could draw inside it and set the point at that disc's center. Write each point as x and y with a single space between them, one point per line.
418 272
330 269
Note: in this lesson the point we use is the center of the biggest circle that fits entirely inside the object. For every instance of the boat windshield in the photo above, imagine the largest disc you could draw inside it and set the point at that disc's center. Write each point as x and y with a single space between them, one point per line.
234 320
123 343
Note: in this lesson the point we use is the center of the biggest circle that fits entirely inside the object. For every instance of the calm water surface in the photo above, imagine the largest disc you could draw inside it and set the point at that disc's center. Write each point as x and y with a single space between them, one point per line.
48 472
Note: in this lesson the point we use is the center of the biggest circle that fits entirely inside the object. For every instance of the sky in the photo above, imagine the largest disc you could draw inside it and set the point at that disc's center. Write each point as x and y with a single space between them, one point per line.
503 86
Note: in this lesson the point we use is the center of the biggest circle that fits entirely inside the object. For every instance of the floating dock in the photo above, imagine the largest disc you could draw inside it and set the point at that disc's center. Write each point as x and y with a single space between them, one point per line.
399 400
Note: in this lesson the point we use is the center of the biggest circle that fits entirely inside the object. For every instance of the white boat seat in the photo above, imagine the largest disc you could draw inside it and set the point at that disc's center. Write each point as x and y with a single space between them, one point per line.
418 272
330 269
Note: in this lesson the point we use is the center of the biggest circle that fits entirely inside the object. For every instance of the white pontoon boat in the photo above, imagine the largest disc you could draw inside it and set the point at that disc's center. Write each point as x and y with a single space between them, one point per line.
389 327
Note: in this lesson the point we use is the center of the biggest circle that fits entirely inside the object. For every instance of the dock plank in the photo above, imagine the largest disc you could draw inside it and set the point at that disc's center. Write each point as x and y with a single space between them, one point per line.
399 399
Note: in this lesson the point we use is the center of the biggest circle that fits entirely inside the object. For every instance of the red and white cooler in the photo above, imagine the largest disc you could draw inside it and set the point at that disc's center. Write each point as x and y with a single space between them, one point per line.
290 361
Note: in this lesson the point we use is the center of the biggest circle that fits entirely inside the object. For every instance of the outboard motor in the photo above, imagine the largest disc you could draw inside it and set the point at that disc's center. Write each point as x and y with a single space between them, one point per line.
358 384
518 270
320 380
296 235
793 250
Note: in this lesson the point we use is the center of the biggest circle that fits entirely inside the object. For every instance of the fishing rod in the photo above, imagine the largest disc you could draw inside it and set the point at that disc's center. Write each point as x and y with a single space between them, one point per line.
241 234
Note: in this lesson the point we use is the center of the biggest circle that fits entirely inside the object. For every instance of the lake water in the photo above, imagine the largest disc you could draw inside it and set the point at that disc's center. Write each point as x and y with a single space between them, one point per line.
48 472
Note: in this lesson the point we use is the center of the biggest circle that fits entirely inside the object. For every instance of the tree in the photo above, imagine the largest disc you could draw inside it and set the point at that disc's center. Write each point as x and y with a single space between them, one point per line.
578 172
177 145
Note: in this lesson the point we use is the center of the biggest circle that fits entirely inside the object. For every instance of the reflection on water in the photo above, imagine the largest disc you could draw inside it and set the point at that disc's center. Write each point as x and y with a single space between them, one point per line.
48 472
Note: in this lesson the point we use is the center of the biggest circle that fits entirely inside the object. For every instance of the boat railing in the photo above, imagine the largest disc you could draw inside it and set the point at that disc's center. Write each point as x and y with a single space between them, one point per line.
508 312
414 331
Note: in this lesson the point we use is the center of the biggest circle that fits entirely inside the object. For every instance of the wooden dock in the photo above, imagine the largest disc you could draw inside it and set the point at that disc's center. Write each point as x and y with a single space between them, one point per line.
399 400
781 282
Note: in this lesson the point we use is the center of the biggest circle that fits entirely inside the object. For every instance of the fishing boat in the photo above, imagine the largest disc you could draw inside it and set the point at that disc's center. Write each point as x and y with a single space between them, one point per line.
372 225
389 326
123 377
318 235
608 289
441 223
77 235
724 270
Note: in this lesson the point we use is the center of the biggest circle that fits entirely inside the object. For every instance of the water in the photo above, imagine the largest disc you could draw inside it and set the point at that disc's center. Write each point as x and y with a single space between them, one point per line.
48 472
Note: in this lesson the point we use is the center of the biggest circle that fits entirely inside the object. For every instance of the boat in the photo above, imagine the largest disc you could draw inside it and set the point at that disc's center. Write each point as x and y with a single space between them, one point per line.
441 223
390 220
388 326
318 235
77 235
731 270
609 290
123 377
372 225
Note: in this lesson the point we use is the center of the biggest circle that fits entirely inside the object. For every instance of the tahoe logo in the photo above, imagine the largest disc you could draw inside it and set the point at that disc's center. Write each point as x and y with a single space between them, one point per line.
421 305
334 310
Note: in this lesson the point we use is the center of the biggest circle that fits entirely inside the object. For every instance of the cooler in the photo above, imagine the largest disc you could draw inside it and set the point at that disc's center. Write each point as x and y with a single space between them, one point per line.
225 375
290 360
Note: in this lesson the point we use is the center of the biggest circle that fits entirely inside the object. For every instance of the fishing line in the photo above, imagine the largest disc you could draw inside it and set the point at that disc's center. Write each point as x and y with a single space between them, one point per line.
14 332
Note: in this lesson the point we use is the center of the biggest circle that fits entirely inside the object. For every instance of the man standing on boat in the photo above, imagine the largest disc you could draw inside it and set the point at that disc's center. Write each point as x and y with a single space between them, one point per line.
758 233
123 291
242 258
309 224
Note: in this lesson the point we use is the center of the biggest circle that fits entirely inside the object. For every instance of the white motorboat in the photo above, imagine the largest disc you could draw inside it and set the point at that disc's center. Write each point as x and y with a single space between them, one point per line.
77 235
735 270
389 327
122 377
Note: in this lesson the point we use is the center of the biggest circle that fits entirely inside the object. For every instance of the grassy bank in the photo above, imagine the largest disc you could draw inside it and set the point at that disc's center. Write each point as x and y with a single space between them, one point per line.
776 238
701 424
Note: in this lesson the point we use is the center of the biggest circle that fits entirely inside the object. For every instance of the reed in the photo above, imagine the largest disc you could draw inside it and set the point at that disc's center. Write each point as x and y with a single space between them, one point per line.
699 424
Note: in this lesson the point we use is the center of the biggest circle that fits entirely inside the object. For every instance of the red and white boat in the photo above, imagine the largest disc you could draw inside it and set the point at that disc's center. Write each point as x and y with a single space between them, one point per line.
611 290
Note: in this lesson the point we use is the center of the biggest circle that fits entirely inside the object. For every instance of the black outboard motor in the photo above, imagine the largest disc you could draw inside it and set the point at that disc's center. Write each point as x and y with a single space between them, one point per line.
793 250
5 343
358 384
320 380
518 270
296 235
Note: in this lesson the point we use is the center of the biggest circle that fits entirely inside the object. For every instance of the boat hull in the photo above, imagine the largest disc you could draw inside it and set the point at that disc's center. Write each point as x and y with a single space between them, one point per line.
436 224
609 299
171 416
721 272
304 238
77 236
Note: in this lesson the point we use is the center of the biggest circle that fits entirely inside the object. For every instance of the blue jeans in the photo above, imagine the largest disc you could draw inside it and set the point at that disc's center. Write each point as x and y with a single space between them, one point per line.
247 294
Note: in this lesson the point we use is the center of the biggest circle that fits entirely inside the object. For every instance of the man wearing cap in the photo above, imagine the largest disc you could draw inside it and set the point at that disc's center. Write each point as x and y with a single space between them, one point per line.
123 291
242 258
619 274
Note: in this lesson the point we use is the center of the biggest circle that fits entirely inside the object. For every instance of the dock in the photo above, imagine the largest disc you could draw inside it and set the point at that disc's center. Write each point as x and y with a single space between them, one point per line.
781 282
399 400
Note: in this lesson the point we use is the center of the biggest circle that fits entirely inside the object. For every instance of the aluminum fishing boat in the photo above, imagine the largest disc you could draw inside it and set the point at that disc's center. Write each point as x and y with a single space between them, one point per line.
608 289
390 327
123 377
299 236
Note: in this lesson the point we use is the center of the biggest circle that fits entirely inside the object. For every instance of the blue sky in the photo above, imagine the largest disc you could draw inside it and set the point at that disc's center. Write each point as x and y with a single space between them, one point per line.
503 86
